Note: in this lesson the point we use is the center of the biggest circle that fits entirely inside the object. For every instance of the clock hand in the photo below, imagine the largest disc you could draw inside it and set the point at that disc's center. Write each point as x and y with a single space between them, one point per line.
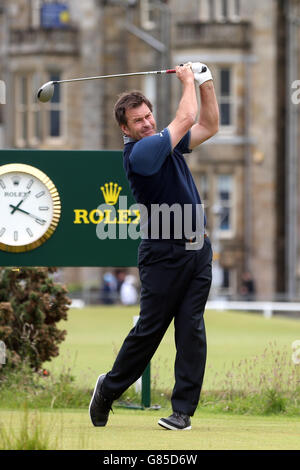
38 219
16 207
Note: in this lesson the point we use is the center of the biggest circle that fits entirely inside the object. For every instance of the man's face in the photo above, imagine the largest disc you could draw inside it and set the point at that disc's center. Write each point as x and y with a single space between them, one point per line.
140 122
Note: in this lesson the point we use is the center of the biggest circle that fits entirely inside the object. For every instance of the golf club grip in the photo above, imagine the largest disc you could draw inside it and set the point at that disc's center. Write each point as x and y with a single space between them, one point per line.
204 69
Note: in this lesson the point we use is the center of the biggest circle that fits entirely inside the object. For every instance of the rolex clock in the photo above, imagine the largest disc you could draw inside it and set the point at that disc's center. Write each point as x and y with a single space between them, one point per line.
30 207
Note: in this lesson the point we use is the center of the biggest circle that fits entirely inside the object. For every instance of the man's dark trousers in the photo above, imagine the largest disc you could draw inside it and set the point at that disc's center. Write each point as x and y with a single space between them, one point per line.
175 283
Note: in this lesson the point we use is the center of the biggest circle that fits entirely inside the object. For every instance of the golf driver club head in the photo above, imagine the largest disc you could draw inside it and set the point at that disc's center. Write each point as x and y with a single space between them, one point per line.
46 92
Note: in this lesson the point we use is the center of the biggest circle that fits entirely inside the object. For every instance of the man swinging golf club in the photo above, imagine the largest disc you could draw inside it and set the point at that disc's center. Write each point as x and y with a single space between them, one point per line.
175 281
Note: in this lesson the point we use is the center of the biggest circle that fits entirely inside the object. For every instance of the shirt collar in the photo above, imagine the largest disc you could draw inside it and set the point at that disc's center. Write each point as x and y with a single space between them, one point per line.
128 140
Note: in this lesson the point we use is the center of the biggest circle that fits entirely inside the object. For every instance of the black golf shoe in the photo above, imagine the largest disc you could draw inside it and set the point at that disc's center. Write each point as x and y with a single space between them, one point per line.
176 422
100 406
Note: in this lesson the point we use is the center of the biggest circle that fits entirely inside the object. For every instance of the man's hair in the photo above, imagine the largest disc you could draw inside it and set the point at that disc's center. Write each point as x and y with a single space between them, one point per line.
129 100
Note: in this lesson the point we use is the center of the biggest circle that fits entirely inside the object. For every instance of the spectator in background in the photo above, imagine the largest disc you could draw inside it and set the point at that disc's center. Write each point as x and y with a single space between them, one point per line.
120 277
128 292
109 289
248 286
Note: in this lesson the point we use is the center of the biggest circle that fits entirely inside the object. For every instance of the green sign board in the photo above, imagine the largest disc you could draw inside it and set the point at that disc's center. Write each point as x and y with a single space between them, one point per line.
62 208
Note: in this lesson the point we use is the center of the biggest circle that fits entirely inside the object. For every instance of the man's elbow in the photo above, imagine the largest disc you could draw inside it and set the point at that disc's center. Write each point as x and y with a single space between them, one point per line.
211 131
211 127
215 129
215 126
189 119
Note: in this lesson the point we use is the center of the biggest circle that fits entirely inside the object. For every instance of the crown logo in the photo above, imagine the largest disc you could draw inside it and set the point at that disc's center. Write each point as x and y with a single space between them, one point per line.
111 193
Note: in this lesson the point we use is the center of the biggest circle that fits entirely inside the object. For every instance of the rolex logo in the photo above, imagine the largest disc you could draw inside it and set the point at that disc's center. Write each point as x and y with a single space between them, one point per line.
111 193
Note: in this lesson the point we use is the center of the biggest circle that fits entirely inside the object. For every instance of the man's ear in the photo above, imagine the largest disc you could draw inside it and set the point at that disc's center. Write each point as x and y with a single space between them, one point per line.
124 129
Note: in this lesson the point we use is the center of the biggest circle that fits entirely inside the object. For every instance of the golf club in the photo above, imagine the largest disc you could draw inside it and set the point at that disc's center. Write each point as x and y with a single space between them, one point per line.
46 91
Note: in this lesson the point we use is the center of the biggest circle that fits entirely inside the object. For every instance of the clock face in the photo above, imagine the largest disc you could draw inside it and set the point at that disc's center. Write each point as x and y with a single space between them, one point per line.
29 207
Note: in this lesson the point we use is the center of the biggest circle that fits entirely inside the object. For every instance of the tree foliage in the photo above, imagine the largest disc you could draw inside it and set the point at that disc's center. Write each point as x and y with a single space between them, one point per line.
31 304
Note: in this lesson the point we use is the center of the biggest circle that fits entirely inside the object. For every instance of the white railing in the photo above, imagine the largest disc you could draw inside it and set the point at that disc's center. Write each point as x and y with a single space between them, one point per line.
266 307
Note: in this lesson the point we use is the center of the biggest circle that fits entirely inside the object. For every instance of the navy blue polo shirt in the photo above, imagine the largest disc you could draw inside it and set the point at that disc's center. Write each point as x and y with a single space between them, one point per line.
159 175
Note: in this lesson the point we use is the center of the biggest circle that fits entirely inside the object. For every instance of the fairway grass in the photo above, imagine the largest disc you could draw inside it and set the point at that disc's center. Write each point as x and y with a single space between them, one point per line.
138 430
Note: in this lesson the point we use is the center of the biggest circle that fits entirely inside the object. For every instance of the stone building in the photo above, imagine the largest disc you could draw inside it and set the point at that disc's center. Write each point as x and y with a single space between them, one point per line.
248 174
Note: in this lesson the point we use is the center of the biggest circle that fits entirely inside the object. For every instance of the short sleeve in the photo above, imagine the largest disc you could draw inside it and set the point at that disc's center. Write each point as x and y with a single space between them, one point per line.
183 144
149 153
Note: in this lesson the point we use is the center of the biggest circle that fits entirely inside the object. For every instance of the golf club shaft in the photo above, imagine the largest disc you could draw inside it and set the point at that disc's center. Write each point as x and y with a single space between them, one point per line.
157 72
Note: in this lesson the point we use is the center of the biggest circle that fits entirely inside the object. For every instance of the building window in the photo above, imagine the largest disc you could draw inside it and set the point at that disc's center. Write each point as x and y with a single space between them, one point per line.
204 181
219 10
217 193
226 278
204 189
224 205
226 98
36 123
147 14
212 10
36 110
230 10
55 110
224 7
237 8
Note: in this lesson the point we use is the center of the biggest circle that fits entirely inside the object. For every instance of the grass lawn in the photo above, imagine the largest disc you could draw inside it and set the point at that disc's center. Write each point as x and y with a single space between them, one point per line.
94 336
138 430
96 333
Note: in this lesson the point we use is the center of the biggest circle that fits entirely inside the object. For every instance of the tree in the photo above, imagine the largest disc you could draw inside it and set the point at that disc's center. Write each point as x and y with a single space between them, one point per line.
31 304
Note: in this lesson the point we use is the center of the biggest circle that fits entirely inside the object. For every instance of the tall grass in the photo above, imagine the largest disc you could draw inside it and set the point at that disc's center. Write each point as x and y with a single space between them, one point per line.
31 433
22 385
265 384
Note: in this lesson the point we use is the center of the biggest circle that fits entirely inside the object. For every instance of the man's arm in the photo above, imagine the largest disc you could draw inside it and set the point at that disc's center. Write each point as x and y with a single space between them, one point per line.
208 123
187 108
